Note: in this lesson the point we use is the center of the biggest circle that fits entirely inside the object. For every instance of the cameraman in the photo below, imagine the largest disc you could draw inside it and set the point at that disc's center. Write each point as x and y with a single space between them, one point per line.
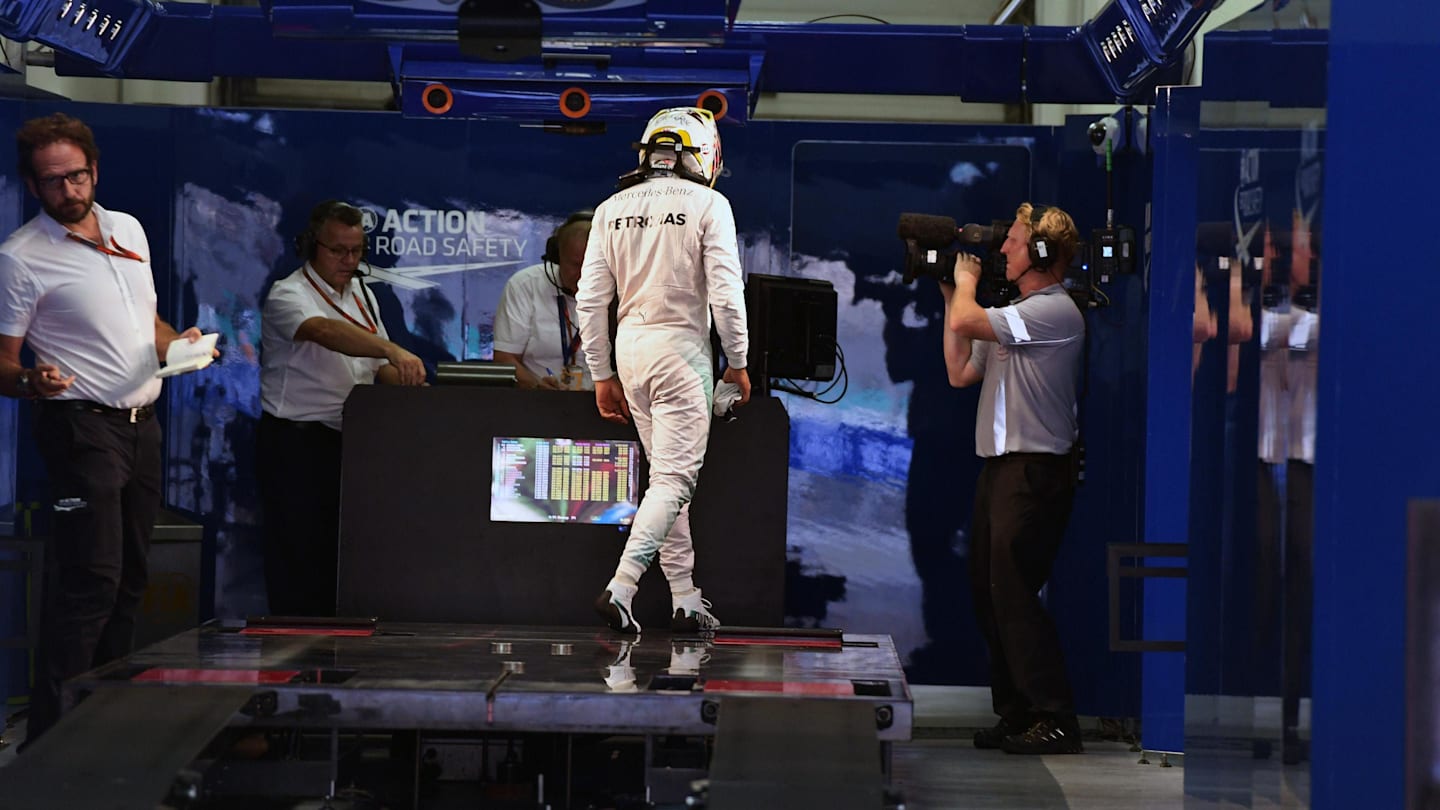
1028 357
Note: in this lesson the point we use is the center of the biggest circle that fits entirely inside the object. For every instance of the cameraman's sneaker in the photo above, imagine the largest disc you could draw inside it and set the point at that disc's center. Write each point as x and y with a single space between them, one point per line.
614 607
692 614
994 737
1048 735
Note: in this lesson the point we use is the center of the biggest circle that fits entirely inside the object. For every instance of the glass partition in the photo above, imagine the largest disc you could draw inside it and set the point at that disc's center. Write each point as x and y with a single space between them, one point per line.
1257 337
1256 332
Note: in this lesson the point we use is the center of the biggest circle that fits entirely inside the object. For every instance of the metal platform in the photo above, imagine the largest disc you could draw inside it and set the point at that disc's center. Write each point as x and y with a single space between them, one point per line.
408 709
534 679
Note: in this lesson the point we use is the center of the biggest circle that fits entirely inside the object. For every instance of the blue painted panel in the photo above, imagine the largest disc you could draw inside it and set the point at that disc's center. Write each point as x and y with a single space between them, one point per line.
14 664
842 58
1060 65
1373 452
1171 303
1284 67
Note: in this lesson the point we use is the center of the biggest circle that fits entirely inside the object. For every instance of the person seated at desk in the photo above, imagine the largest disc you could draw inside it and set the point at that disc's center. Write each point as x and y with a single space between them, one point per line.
535 326
321 336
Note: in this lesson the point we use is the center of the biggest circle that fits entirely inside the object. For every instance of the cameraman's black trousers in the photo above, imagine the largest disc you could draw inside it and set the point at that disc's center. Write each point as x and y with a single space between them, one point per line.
1022 505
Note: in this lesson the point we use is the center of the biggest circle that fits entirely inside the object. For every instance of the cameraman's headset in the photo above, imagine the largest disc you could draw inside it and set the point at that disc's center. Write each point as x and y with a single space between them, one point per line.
1042 250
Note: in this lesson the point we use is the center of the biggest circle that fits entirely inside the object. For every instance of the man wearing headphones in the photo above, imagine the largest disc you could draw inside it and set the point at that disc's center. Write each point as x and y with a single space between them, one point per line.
535 325
321 336
1028 356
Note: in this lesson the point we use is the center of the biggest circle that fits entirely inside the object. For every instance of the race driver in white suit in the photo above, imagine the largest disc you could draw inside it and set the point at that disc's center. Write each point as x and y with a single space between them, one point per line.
665 246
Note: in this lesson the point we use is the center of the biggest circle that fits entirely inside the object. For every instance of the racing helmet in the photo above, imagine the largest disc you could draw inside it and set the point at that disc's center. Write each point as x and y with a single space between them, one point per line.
686 134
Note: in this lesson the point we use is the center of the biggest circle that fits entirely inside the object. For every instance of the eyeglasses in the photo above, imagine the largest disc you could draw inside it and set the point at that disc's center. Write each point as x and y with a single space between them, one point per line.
343 252
78 178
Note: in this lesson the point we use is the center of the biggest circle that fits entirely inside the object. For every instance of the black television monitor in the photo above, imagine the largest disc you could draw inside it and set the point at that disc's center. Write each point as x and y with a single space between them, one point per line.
792 328
558 480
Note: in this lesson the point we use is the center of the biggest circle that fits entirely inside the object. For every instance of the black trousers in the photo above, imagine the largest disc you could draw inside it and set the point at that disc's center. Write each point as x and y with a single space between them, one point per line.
1022 505
1299 589
105 478
1266 630
299 468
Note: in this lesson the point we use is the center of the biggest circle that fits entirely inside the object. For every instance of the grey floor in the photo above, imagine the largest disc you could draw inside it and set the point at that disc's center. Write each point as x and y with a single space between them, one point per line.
940 769
11 733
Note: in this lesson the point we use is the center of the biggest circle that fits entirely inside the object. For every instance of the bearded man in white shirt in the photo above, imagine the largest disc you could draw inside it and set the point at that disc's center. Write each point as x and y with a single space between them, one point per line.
78 288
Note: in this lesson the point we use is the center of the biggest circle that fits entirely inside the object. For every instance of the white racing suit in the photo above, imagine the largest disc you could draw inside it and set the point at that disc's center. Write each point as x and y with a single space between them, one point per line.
667 249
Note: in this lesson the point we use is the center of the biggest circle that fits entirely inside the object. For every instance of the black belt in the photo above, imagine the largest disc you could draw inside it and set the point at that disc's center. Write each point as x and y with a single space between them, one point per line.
295 424
131 415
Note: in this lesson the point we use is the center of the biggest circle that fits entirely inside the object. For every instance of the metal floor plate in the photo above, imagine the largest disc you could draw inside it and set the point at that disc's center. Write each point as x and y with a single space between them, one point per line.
119 750
509 678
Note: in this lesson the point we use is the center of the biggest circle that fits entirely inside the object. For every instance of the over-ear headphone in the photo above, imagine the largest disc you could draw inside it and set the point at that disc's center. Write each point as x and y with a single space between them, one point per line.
319 215
1042 250
552 244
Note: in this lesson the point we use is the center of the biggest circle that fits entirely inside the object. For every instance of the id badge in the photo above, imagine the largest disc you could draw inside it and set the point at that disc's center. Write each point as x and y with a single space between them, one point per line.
573 378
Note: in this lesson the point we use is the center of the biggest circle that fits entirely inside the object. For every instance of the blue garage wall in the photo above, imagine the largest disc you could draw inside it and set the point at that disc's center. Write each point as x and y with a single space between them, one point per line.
14 666
222 192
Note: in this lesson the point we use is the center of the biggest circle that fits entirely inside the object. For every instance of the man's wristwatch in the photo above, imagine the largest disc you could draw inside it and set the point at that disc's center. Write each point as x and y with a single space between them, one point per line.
22 383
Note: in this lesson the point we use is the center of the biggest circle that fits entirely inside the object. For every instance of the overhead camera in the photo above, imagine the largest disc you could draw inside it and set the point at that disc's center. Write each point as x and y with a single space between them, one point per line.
932 243
1105 131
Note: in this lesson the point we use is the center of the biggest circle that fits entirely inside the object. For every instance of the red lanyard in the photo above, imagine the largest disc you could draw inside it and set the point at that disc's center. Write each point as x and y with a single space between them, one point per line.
368 326
570 333
123 253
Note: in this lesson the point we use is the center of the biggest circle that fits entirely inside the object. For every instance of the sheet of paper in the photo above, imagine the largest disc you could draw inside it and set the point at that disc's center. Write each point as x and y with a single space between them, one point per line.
183 356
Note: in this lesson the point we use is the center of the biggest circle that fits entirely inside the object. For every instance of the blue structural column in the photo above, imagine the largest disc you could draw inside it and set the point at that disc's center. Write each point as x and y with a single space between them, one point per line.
14 662
1170 296
1377 443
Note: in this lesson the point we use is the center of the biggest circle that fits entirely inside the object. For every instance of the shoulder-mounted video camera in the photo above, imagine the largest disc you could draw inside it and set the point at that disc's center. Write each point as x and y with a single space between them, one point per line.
932 243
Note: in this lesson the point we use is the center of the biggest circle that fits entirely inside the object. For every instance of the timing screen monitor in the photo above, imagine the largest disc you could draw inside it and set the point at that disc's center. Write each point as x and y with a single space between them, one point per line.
564 480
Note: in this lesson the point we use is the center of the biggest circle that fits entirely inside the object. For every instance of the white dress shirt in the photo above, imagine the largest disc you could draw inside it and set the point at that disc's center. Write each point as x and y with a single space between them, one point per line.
87 312
302 380
528 323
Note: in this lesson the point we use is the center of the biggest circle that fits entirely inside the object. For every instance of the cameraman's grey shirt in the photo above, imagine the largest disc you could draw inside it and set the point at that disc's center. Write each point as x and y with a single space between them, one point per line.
1027 400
